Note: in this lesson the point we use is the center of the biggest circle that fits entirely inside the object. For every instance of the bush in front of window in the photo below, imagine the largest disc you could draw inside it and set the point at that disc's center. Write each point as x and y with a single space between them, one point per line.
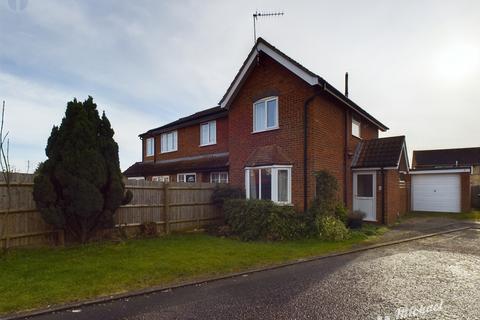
263 220
224 192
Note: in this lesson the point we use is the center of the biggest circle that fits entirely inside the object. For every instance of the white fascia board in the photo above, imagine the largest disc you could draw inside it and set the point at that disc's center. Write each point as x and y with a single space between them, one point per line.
374 168
310 79
434 171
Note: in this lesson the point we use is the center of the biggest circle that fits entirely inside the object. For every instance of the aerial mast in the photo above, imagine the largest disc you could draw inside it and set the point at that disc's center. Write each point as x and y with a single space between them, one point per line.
257 15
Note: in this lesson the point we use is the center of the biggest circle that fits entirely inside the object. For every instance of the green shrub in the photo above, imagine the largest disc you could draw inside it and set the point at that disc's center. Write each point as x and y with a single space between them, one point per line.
331 229
263 220
223 192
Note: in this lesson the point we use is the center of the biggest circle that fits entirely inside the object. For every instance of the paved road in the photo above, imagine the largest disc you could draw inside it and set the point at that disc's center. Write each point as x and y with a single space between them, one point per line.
438 270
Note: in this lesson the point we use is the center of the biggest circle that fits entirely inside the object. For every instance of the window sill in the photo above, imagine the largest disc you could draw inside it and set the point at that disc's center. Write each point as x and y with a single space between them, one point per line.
162 152
265 130
360 138
208 144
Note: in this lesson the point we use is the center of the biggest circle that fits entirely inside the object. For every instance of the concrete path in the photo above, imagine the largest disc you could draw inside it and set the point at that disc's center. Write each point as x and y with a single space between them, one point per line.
440 272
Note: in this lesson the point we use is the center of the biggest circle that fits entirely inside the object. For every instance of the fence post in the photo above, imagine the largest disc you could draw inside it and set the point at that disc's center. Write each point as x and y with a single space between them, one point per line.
61 237
166 207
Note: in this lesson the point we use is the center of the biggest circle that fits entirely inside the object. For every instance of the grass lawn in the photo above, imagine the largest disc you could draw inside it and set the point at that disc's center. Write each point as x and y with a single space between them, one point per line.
33 278
473 215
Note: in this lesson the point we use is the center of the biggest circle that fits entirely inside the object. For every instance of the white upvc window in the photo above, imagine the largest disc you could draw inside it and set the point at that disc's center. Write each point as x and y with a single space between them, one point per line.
150 147
265 114
161 178
169 142
219 177
187 177
356 128
208 133
269 183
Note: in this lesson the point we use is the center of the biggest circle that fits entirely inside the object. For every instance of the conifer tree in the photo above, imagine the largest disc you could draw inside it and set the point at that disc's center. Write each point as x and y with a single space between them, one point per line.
79 186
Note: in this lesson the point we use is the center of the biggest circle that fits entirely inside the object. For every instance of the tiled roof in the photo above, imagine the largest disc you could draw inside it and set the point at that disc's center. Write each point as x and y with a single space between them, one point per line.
378 153
267 155
446 157
187 164
204 115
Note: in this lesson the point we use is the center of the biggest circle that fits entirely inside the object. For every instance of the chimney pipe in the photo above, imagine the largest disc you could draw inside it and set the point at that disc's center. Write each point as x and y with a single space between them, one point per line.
346 84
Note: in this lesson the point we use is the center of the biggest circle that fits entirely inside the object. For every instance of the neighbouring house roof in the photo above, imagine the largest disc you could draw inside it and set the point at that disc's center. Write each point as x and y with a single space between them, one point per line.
380 153
198 117
187 164
295 67
443 158
268 155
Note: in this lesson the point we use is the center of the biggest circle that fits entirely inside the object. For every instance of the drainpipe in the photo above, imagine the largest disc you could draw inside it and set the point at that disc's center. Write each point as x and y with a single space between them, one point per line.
345 158
305 146
383 196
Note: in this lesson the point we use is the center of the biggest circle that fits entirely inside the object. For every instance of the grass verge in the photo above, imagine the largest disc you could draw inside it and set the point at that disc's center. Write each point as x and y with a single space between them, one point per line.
34 278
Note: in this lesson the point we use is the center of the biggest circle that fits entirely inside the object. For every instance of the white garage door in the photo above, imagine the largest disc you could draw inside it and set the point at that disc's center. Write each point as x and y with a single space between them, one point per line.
436 192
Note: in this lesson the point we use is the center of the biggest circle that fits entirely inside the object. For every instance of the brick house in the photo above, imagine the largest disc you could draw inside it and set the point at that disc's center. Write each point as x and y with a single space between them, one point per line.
276 125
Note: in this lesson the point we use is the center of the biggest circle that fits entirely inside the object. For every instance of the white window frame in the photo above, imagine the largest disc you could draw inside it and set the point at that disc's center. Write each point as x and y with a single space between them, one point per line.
210 140
359 124
185 175
266 128
274 186
150 147
164 148
219 173
161 178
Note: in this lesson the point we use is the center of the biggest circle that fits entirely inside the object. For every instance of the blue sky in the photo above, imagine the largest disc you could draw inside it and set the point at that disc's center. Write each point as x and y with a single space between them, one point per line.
415 65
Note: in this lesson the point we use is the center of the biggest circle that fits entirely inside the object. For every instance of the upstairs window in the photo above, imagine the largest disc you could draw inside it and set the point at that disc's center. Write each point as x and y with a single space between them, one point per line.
208 133
169 142
150 146
356 128
265 114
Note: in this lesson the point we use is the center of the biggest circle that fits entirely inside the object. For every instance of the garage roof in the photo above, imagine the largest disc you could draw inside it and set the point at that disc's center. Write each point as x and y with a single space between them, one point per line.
445 158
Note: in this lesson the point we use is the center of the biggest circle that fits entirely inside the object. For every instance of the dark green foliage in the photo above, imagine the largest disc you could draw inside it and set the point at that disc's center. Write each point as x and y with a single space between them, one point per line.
331 228
263 220
224 192
79 187
327 204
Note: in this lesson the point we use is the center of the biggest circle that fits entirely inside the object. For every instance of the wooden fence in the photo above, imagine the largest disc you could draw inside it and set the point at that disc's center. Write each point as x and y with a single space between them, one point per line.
171 206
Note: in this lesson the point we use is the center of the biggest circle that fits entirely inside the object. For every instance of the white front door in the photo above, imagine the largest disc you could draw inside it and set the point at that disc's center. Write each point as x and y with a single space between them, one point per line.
364 195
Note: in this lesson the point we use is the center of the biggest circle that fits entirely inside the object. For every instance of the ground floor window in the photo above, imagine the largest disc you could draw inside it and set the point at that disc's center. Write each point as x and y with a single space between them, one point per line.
161 178
219 177
269 183
187 177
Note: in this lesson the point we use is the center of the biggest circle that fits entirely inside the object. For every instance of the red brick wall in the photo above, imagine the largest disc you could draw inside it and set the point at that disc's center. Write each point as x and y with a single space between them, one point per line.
396 196
465 189
189 142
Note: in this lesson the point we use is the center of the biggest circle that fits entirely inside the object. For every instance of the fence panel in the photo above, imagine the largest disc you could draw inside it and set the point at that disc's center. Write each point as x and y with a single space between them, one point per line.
172 206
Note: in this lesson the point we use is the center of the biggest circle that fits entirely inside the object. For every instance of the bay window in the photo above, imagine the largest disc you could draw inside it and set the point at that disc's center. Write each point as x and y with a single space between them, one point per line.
269 183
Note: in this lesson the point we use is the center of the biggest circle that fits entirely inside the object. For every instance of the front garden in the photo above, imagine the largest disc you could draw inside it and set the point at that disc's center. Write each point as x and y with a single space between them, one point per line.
36 278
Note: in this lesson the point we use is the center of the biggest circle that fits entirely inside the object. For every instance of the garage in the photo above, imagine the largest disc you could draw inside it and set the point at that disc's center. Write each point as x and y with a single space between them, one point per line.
437 190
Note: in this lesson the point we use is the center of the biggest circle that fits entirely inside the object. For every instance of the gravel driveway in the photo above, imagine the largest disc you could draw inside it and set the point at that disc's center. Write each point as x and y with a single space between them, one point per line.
441 272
